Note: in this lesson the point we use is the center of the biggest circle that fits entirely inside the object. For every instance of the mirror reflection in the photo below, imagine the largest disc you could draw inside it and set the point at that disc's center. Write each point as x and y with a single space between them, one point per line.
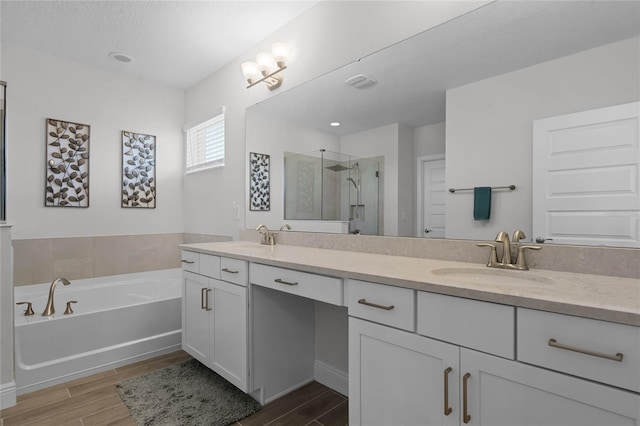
456 107
332 186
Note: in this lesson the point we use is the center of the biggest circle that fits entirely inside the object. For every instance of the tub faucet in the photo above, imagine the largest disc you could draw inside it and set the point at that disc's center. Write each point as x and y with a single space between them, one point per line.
50 310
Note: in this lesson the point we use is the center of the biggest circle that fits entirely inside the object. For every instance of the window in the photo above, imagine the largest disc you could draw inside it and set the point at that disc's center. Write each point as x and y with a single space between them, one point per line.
205 144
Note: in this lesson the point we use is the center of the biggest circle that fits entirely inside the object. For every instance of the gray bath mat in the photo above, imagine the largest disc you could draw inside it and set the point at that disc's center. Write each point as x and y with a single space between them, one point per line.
186 394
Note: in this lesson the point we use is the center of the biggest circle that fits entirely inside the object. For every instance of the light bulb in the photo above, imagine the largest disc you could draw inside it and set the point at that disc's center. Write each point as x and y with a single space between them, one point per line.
250 71
265 62
280 53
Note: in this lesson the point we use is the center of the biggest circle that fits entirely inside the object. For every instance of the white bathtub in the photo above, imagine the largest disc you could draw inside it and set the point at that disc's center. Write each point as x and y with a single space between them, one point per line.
117 320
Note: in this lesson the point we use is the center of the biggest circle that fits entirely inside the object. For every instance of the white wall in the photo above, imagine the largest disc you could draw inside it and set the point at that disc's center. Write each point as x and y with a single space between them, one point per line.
328 36
42 86
489 129
406 182
429 140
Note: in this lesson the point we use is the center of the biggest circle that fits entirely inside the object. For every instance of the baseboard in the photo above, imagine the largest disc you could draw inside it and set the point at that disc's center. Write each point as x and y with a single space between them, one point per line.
332 377
7 395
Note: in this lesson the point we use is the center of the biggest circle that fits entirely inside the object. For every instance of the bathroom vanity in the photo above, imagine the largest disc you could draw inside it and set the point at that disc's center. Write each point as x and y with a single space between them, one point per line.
430 341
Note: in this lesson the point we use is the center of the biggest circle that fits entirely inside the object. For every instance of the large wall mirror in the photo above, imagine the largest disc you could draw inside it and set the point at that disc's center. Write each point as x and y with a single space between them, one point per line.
456 107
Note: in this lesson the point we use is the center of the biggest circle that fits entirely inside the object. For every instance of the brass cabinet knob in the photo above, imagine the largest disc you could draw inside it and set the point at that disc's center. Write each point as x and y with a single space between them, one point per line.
29 310
69 310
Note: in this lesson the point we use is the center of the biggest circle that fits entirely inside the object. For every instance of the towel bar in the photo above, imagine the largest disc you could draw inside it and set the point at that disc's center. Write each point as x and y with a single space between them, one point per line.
511 187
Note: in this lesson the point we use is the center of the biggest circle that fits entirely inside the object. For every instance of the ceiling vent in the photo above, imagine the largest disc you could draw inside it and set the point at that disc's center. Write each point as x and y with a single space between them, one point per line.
360 81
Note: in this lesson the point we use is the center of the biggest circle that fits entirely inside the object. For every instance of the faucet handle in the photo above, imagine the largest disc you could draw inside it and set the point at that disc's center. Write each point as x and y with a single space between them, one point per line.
493 256
29 310
69 310
521 262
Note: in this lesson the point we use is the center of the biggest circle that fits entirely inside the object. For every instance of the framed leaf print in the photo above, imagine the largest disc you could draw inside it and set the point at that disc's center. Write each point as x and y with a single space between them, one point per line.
67 156
138 170
259 182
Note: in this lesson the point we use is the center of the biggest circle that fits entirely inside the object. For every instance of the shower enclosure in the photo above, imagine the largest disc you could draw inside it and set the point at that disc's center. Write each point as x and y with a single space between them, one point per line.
327 185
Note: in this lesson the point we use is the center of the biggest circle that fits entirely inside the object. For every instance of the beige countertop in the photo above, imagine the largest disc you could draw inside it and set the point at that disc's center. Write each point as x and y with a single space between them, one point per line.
593 296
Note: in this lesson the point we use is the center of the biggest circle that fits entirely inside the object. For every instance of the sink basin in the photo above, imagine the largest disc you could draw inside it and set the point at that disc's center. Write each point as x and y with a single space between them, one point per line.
492 276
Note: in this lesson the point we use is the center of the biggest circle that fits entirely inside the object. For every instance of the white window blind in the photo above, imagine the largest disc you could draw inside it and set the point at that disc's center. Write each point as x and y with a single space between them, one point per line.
205 144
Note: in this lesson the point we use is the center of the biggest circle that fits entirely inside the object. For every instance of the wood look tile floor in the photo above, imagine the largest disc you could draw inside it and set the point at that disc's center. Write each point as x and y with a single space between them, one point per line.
94 401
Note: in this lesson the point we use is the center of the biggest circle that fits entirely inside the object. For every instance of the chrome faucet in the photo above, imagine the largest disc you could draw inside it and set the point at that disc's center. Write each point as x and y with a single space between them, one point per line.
49 309
267 236
285 227
505 262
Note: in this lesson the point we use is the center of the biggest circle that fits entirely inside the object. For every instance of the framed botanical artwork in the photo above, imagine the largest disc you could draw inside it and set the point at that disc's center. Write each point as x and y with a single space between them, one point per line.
138 170
67 156
259 182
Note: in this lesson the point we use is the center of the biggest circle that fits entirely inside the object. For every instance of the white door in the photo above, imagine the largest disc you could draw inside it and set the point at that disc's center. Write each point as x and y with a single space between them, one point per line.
586 178
431 197
398 378
229 332
195 317
507 393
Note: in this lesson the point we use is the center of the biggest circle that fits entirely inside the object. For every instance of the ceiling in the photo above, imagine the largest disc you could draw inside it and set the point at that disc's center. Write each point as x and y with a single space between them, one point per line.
174 43
413 75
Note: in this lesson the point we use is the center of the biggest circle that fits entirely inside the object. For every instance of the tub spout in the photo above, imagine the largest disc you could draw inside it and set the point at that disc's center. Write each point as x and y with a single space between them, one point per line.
50 310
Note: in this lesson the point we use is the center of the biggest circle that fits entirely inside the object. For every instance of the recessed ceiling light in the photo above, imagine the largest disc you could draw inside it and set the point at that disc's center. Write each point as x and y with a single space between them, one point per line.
121 57
334 124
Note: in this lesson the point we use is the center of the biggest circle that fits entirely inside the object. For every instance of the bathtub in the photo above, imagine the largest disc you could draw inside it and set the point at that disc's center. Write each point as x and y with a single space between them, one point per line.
117 320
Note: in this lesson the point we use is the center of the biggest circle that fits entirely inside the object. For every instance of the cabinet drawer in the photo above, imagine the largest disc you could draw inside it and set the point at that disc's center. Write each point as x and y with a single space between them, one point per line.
210 265
234 271
597 350
312 286
381 303
190 261
487 327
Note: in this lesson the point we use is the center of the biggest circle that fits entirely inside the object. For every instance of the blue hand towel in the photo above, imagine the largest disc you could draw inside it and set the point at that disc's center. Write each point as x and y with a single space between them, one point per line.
481 202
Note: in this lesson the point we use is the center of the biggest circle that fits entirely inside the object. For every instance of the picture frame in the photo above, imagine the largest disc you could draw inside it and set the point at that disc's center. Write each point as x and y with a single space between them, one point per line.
138 170
259 182
67 164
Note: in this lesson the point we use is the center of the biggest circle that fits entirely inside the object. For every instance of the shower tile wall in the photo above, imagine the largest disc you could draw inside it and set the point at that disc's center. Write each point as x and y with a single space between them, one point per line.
41 260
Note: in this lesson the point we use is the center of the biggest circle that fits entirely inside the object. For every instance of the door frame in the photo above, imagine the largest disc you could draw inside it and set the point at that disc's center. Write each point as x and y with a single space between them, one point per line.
420 162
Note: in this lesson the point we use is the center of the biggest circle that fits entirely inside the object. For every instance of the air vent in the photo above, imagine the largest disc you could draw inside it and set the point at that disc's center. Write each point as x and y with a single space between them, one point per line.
360 81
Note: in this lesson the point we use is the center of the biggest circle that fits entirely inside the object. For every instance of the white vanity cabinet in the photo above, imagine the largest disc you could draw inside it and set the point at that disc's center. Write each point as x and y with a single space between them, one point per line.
214 314
463 367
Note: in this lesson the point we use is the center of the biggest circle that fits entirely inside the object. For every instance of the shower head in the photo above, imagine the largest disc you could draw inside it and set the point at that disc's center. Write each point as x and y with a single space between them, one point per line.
337 168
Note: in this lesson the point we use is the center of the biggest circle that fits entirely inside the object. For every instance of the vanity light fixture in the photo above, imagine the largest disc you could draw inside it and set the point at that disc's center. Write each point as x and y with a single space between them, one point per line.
263 69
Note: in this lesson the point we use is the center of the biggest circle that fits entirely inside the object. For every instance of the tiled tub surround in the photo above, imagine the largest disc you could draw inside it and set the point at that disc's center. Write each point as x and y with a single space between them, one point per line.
615 299
616 262
42 260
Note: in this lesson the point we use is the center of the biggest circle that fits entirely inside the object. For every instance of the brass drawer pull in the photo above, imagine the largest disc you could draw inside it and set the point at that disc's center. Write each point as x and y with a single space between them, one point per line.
447 409
281 281
466 417
375 305
206 304
190 262
202 304
231 271
554 343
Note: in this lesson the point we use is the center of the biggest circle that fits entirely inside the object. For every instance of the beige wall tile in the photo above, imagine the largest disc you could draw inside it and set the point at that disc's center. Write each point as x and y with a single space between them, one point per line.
169 250
142 252
72 248
32 261
73 269
111 256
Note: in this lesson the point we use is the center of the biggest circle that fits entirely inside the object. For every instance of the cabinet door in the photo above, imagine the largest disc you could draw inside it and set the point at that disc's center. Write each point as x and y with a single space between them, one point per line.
195 316
398 378
229 332
503 392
